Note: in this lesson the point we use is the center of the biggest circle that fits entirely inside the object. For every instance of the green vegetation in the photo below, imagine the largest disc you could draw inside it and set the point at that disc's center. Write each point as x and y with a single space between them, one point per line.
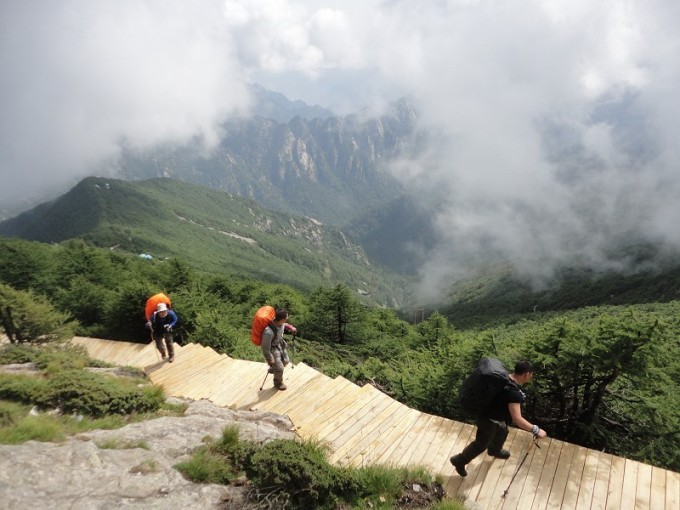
213 231
69 399
297 475
608 377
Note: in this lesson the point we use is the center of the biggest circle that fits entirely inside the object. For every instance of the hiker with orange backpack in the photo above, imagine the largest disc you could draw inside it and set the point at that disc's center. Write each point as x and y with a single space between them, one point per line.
274 346
161 325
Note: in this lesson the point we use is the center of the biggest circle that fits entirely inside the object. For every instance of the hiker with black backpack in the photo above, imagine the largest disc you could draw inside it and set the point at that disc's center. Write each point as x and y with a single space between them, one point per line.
505 399
274 346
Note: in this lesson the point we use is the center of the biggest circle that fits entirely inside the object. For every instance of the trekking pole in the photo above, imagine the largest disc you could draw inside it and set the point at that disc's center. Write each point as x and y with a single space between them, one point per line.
155 349
265 378
526 454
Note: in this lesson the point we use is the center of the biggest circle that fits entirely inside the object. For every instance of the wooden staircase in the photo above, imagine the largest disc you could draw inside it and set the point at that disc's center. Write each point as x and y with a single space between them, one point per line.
362 426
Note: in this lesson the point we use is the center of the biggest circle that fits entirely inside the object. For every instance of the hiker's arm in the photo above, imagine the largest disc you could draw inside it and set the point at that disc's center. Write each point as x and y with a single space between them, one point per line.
267 337
173 318
518 419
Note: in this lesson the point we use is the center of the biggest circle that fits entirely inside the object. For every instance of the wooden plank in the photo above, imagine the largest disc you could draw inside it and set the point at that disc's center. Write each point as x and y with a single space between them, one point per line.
431 455
657 496
453 480
302 400
241 375
615 490
571 491
305 420
562 473
442 445
354 446
388 439
521 451
343 410
643 492
144 357
395 456
629 484
534 471
272 399
299 408
545 482
587 483
185 364
361 452
345 421
600 488
672 490
360 425
308 422
323 390
427 441
237 374
271 396
419 437
199 386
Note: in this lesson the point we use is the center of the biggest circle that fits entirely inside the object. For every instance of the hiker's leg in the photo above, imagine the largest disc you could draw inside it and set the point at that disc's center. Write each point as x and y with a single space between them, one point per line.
277 368
485 433
159 344
499 437
169 341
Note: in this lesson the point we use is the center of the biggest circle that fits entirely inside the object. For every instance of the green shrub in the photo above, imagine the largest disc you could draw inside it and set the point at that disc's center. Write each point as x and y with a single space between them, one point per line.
301 472
97 395
22 388
206 466
29 317
52 357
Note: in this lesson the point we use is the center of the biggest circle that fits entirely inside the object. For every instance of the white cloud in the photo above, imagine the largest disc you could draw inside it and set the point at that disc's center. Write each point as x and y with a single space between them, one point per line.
555 120
80 76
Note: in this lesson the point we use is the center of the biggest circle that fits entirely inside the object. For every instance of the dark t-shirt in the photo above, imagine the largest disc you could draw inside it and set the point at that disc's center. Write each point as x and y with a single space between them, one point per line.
498 410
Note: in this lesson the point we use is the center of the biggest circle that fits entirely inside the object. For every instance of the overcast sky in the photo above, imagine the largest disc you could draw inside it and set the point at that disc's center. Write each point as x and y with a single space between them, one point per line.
556 120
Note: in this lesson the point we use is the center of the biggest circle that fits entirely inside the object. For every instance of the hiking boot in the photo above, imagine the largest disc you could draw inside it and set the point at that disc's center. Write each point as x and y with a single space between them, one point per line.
163 355
501 454
171 359
280 386
459 465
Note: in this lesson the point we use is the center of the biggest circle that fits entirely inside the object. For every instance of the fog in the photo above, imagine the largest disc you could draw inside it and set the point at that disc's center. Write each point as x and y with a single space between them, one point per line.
551 123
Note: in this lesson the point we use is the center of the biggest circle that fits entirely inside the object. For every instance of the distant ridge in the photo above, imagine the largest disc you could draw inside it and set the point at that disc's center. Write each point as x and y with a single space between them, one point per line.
213 230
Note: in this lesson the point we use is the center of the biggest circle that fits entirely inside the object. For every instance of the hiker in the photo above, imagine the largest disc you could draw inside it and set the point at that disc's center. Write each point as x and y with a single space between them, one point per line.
161 324
492 423
274 346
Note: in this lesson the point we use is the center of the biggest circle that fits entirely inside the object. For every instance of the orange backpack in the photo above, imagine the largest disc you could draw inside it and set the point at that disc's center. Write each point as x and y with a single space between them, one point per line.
152 303
263 318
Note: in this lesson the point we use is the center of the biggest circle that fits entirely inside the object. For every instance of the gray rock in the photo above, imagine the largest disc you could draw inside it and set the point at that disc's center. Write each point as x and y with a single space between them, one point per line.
79 475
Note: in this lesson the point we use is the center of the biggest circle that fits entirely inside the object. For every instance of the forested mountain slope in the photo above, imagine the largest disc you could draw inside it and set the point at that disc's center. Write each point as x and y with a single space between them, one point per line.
213 230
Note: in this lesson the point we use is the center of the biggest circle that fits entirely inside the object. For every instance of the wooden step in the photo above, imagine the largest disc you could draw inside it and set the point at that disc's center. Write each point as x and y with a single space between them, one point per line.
344 437
346 414
309 423
341 409
188 361
309 392
271 398
356 421
356 445
209 378
194 385
397 456
325 390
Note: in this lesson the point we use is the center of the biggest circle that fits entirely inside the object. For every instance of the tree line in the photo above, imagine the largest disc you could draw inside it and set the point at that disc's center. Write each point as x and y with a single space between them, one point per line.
606 377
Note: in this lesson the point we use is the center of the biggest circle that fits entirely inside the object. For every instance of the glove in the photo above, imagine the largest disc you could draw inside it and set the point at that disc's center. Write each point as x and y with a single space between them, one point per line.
148 325
289 328
168 327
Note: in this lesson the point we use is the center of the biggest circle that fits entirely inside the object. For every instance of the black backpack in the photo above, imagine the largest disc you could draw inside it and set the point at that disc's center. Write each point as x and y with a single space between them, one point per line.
483 385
